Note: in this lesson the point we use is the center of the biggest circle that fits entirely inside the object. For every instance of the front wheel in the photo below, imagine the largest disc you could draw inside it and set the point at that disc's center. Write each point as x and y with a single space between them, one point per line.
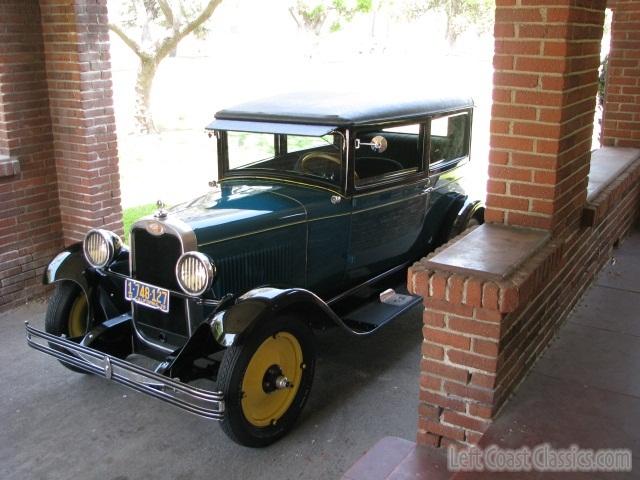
266 381
67 314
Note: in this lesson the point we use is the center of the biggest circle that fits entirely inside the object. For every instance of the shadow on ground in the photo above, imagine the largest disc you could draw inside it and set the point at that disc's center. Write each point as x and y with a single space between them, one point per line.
61 425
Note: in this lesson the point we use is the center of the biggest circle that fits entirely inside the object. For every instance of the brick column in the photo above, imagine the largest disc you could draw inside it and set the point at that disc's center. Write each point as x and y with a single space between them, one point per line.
471 357
484 329
76 45
488 317
621 125
30 229
58 154
545 83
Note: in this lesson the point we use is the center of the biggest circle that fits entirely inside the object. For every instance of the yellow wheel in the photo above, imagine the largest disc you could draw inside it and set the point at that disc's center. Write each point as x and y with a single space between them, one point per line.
77 322
272 379
266 381
67 314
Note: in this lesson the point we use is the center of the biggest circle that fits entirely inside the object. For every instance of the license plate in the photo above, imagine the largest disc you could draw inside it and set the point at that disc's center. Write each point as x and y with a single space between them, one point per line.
146 295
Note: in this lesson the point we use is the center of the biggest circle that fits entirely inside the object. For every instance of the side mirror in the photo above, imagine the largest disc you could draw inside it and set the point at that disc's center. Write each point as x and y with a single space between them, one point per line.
378 144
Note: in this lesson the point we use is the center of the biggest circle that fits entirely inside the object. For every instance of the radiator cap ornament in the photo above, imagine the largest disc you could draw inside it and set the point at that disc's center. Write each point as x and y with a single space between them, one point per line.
161 212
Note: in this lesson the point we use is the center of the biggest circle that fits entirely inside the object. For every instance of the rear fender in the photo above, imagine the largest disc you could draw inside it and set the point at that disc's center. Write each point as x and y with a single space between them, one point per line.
441 218
470 209
230 325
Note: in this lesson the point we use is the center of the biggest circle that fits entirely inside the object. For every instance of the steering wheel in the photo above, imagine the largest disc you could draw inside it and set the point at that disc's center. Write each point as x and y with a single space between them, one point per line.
315 163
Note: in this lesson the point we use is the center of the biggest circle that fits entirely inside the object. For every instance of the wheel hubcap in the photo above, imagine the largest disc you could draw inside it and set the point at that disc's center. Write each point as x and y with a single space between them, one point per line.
272 379
77 325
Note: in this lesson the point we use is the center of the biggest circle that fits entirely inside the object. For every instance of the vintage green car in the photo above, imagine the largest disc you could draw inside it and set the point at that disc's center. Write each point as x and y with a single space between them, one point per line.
322 203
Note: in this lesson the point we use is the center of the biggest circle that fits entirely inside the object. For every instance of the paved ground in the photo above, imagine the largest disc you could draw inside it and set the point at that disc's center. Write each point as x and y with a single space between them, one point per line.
56 424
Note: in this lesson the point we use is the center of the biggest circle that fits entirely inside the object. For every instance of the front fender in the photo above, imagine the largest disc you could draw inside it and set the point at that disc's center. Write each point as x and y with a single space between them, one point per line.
231 324
103 293
69 264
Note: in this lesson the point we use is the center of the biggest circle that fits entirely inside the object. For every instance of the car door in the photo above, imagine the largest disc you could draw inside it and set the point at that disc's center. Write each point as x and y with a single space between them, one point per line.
391 195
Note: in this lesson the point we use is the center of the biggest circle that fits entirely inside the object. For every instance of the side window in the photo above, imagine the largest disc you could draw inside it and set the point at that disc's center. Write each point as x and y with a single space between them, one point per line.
402 153
247 149
449 138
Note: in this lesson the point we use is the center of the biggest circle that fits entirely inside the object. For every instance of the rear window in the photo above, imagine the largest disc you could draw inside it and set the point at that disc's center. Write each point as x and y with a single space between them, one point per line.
449 138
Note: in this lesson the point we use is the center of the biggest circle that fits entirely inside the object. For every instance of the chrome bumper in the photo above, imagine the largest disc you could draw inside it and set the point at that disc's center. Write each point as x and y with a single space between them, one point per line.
195 400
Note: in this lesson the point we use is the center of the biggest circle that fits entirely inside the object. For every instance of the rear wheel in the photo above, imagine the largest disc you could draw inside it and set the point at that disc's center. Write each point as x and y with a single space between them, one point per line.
477 219
473 221
67 314
266 381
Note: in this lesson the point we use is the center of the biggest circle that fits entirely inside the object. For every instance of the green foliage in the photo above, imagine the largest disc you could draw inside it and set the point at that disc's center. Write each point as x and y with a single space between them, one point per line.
602 80
313 15
461 14
131 214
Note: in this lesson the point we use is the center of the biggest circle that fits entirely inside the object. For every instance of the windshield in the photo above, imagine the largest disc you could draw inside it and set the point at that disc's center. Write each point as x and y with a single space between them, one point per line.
318 157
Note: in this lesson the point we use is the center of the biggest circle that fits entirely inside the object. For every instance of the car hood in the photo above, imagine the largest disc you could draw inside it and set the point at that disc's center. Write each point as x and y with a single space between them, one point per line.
238 209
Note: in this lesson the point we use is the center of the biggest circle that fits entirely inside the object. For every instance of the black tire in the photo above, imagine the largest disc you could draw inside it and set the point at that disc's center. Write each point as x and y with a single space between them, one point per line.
57 319
232 372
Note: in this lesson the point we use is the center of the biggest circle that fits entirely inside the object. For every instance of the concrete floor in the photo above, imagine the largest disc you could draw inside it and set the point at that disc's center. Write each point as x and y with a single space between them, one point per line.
57 424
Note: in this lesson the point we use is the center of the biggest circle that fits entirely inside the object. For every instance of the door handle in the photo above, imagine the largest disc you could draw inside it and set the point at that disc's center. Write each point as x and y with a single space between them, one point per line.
427 190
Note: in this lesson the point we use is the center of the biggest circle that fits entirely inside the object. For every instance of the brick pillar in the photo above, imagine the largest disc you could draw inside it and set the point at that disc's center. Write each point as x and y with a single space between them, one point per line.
621 126
485 324
58 154
30 228
545 83
76 45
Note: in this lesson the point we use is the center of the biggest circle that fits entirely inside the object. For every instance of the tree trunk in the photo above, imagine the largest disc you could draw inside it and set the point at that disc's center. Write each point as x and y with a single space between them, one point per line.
149 61
453 30
144 82
451 33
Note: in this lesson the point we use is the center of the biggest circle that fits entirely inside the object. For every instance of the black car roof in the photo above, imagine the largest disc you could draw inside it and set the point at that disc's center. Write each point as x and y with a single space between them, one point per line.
341 109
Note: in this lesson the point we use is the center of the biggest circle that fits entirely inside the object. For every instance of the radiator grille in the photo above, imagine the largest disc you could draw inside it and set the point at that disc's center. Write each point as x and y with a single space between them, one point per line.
154 262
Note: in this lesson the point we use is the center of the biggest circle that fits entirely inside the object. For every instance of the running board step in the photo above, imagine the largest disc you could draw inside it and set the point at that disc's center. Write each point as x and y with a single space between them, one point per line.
380 310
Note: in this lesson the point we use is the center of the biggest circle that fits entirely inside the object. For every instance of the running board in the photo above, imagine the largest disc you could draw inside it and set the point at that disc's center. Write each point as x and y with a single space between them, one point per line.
380 310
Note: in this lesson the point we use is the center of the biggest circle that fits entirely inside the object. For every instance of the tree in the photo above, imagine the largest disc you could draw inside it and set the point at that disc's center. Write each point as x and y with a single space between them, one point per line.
313 16
461 14
152 29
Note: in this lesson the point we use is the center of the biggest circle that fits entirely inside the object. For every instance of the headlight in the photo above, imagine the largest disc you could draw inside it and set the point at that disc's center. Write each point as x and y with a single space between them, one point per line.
100 247
195 273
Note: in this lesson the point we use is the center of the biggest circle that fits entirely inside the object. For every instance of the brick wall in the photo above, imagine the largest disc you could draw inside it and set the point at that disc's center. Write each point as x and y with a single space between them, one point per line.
545 83
58 153
76 40
30 231
481 337
621 124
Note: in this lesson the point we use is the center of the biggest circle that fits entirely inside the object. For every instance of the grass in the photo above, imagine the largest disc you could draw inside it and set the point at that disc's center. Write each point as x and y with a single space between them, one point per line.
131 214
